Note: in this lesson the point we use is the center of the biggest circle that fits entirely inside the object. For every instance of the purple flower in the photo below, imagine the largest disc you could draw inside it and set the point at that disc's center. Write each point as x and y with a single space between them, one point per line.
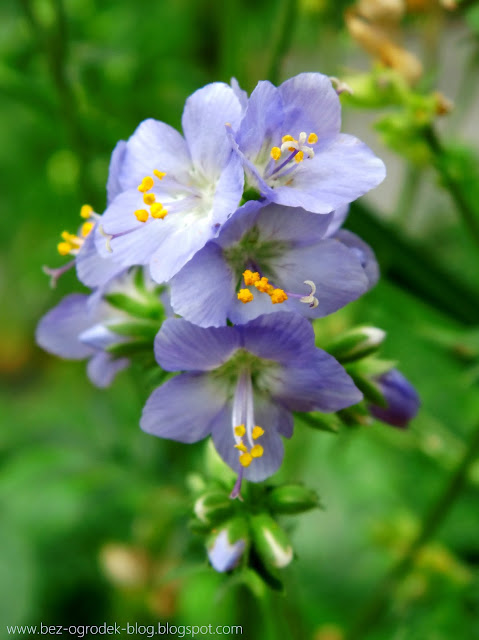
401 397
240 384
223 554
270 259
83 327
175 192
293 152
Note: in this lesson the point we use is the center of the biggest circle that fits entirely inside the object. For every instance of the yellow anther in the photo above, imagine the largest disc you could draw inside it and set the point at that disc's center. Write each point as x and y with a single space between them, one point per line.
159 174
146 184
288 139
312 138
86 211
149 198
264 286
240 430
245 295
142 215
245 459
257 451
278 296
158 210
71 238
299 157
257 433
86 228
64 248
276 153
250 277
241 447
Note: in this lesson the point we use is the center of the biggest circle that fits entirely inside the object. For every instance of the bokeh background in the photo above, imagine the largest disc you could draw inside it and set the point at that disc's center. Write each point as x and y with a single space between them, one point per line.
94 513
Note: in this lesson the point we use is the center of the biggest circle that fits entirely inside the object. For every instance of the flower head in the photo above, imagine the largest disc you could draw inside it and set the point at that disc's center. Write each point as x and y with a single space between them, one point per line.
240 385
293 152
175 192
273 259
401 398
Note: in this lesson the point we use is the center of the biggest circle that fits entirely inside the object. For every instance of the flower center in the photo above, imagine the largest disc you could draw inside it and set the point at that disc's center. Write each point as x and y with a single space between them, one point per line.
277 295
157 210
291 153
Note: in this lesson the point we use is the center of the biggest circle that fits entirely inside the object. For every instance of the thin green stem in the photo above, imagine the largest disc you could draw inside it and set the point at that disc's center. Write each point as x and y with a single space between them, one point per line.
281 38
469 215
376 607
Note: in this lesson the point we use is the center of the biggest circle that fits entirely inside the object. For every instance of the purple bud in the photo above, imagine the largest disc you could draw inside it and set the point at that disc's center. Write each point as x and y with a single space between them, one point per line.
401 397
223 554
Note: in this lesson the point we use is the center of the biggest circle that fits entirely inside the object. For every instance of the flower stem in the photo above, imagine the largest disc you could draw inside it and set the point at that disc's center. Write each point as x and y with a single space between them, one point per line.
281 37
375 608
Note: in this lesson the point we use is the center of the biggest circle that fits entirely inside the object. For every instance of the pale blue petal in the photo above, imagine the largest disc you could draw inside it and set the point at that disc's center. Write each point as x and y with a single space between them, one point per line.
58 330
183 346
363 252
337 221
291 225
94 270
113 186
206 113
202 291
102 368
183 408
224 555
229 190
239 93
262 122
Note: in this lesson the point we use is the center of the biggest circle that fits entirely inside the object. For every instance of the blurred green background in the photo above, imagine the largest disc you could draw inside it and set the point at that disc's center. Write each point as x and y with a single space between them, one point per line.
94 512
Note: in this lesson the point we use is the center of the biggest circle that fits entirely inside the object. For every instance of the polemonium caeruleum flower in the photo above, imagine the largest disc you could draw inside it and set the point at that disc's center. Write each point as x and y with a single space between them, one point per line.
270 259
293 152
401 398
86 327
92 269
240 385
175 192
223 554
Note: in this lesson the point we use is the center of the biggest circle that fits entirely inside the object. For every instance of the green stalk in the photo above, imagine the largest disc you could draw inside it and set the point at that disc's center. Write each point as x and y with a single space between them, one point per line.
376 607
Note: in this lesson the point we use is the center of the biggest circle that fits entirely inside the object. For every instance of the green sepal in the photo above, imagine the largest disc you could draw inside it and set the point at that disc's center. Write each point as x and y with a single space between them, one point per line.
213 507
292 498
356 344
328 422
270 541
369 389
136 308
135 329
356 416
250 194
127 349
268 575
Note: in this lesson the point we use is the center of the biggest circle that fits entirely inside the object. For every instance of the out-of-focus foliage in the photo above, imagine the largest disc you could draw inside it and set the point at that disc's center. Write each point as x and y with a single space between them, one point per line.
95 512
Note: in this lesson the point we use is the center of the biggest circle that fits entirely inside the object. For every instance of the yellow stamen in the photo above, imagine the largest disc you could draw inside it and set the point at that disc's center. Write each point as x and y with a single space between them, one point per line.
141 215
240 430
158 210
86 228
257 451
159 174
149 198
250 277
71 238
278 296
64 248
264 286
276 153
288 138
299 157
257 433
245 295
86 211
241 447
245 459
312 138
146 184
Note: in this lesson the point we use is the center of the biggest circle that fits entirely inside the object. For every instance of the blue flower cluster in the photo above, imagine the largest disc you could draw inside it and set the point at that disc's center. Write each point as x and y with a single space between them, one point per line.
240 219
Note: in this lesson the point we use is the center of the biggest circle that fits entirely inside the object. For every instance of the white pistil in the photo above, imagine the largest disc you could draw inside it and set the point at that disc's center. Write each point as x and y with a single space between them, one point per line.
311 298
108 238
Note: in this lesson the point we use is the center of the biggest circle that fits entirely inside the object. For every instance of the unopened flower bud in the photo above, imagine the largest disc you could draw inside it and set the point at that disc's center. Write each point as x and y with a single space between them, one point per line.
270 541
402 400
356 344
292 498
227 545
213 507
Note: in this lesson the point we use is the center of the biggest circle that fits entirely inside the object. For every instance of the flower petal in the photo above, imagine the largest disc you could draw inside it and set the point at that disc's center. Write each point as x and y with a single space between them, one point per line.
202 291
262 122
204 118
113 186
363 252
310 104
338 217
102 368
183 346
183 408
154 145
318 384
94 270
291 225
58 330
